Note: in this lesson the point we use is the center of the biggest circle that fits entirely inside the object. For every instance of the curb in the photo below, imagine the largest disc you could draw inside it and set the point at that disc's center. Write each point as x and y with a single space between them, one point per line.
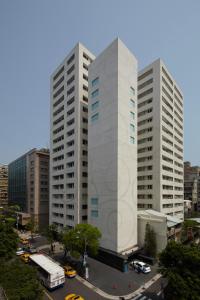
126 297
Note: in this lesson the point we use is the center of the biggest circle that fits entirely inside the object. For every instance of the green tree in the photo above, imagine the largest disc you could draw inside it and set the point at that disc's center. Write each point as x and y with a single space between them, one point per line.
181 266
189 226
150 245
8 241
83 238
31 226
20 281
52 234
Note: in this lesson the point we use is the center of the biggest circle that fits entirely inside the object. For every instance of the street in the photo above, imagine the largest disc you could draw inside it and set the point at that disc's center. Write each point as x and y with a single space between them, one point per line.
72 286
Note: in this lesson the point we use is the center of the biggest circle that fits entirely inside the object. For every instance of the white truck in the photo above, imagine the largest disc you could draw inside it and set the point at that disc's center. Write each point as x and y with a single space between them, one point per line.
51 274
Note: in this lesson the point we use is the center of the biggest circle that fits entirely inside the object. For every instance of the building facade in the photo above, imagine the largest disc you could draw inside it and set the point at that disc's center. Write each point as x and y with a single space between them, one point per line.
112 148
165 227
192 185
68 146
29 185
160 141
17 182
3 185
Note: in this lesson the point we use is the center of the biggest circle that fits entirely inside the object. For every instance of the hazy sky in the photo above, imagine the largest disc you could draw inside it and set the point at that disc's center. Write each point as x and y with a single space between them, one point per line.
36 35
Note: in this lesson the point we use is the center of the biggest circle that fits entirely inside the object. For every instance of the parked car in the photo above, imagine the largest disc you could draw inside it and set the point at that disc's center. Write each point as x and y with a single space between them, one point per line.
140 266
25 257
24 241
19 251
73 297
69 271
32 250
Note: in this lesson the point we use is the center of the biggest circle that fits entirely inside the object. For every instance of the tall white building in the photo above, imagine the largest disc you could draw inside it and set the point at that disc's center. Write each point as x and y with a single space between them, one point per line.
160 141
68 147
112 147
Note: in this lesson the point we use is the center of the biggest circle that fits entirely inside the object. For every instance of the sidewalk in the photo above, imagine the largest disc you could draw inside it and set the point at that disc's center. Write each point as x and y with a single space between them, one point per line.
125 297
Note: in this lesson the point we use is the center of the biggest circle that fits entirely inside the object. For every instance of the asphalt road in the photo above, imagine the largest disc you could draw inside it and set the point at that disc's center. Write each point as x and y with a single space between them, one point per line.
72 286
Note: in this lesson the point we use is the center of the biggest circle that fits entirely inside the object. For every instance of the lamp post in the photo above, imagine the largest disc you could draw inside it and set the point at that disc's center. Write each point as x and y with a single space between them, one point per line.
85 256
17 224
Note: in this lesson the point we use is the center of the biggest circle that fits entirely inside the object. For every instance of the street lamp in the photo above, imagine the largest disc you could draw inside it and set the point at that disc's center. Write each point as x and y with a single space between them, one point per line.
84 255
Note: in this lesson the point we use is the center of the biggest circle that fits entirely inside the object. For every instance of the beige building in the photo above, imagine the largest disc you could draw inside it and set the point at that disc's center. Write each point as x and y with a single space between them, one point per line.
29 185
165 227
160 141
69 138
38 186
192 185
3 185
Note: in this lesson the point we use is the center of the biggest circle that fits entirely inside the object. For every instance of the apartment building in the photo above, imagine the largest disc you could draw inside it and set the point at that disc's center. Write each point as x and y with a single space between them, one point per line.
69 138
3 185
112 148
192 185
160 141
28 185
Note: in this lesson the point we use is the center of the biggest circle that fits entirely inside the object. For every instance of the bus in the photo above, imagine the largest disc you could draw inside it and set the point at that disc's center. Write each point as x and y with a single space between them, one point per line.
50 273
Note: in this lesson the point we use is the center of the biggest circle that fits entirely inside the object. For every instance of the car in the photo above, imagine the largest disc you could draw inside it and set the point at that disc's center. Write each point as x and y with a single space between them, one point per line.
69 271
32 250
25 257
19 251
73 297
140 266
24 241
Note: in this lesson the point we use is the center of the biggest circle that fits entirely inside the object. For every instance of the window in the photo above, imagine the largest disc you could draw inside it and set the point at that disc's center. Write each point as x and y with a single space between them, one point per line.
132 128
94 213
132 90
70 59
95 117
95 93
95 81
132 103
132 115
58 73
132 140
94 201
95 105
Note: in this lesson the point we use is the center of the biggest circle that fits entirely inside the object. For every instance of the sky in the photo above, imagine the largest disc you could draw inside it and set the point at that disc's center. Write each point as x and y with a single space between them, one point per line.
35 36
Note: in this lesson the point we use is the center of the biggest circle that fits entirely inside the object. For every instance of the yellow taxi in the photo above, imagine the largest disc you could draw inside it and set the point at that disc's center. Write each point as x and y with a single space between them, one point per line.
73 297
25 257
69 272
24 241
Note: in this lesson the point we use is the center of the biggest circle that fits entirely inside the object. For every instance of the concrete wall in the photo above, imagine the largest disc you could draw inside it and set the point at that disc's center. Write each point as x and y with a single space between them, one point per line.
112 160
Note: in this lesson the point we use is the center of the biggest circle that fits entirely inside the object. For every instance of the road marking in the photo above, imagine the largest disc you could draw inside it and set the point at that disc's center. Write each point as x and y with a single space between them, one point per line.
143 298
138 296
158 294
48 295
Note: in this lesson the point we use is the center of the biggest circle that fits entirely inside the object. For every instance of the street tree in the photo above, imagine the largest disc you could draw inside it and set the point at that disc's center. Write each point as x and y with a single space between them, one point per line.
20 281
52 234
31 226
150 245
8 241
181 266
83 238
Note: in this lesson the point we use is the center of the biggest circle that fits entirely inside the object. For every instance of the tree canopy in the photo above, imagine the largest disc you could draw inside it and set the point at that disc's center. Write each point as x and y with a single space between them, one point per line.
181 266
8 241
150 246
84 237
20 281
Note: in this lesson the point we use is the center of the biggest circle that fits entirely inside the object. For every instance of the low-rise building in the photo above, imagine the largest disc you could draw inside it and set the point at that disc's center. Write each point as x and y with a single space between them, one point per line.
192 185
165 227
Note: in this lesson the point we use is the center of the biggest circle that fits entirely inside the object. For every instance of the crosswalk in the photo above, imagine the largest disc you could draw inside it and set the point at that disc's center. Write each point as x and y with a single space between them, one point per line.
140 297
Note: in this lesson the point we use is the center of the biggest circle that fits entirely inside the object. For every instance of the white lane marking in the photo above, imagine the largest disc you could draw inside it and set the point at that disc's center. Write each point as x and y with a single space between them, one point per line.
138 296
48 295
